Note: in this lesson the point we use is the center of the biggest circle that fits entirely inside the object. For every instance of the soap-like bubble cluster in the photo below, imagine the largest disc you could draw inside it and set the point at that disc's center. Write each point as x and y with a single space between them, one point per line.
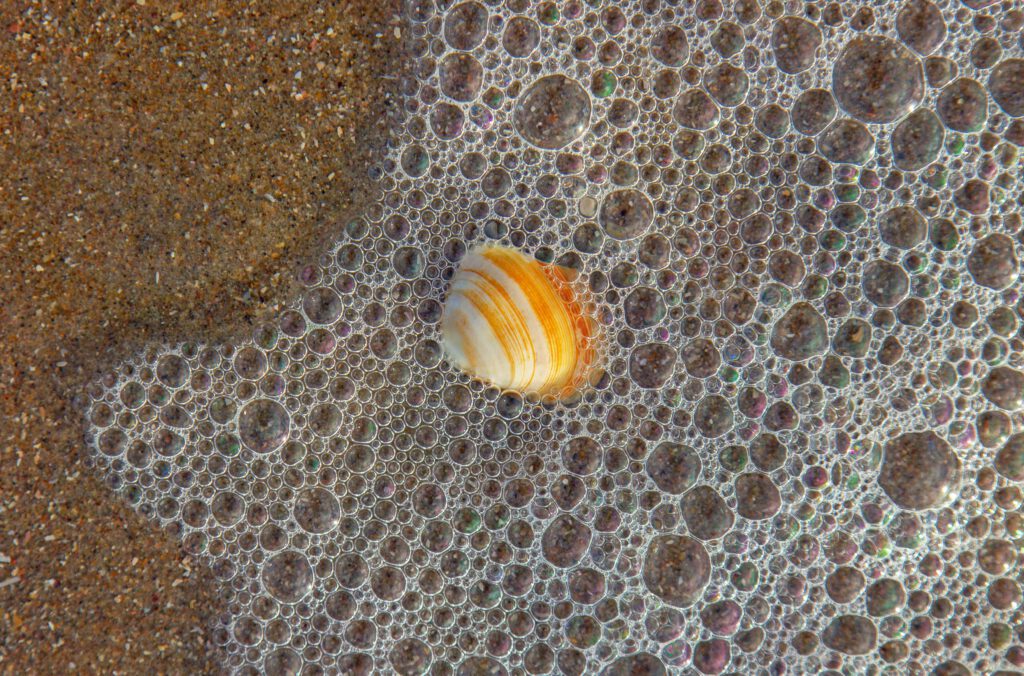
800 224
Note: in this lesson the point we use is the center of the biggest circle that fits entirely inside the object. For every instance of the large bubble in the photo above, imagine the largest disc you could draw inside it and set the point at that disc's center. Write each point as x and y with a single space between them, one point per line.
919 471
263 425
553 112
676 569
876 79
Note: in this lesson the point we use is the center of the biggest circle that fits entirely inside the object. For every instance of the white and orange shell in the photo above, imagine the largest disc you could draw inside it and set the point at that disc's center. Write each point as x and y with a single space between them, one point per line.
516 323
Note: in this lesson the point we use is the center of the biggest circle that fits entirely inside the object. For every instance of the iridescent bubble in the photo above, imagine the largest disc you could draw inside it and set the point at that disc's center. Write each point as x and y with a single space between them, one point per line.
248 631
716 159
586 585
324 420
263 425
447 121
1004 594
786 267
436 536
767 452
340 606
676 569
711 657
567 491
623 113
408 262
583 631
132 394
877 79
728 39
538 659
429 500
250 363
553 112
359 458
722 617
518 580
738 306
172 370
572 662
919 471
974 197
361 634
112 442
773 120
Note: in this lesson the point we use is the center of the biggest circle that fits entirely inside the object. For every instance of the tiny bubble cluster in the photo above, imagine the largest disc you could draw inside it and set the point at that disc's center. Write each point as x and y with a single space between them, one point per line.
799 227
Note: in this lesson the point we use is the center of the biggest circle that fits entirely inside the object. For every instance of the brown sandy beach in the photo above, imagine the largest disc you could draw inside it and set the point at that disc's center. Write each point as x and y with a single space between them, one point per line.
164 170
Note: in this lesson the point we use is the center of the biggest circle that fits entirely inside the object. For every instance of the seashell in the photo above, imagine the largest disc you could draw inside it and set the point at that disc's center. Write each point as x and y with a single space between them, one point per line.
516 323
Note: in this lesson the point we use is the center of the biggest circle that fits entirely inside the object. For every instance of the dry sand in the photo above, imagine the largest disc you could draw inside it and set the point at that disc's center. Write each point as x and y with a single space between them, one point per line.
164 169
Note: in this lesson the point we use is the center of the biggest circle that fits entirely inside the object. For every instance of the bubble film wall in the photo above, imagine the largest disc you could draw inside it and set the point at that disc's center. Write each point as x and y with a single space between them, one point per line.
798 228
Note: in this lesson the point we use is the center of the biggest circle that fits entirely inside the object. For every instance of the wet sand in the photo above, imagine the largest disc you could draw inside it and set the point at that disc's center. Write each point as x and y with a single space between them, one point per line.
164 171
